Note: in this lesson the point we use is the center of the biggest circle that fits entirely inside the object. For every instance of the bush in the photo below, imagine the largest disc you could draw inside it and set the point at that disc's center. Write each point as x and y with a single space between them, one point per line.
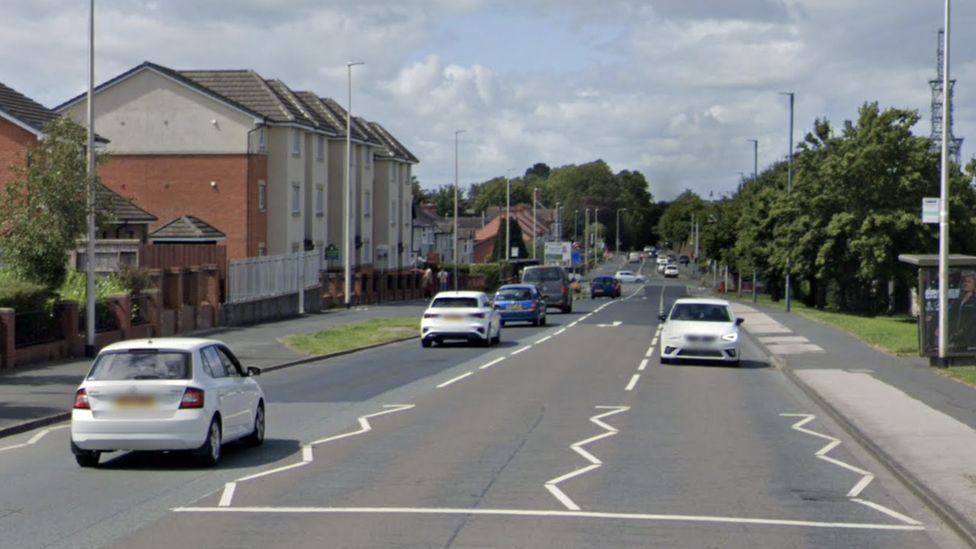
493 275
75 287
22 295
135 279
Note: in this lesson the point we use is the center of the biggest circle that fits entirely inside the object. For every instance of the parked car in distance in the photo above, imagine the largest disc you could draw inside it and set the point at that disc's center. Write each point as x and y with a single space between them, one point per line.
520 303
553 282
671 271
166 394
700 329
634 257
460 315
684 260
604 286
628 276
662 260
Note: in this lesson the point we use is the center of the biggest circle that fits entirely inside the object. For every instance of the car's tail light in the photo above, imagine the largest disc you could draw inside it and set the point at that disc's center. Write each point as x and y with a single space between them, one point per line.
477 315
564 290
192 398
81 400
535 305
431 315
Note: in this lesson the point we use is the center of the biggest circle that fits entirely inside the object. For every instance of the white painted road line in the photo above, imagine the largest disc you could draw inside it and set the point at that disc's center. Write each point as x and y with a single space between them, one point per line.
633 382
307 455
573 323
554 514
578 448
522 350
492 363
866 478
34 439
543 340
643 364
559 331
654 342
450 381
650 351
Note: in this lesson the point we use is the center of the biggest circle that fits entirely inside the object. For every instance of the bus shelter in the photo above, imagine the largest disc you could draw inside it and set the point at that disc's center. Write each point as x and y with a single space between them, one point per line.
961 301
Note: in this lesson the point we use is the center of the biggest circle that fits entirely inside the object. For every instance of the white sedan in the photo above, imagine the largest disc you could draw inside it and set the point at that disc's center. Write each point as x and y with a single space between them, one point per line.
671 271
701 329
628 276
166 394
461 315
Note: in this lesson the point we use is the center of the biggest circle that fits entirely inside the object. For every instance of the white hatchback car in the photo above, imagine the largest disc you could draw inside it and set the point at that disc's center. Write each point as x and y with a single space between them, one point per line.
628 276
166 394
671 271
701 329
461 315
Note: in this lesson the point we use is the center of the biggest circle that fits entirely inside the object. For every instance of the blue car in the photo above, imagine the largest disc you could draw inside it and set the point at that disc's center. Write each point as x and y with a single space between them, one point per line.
521 303
606 286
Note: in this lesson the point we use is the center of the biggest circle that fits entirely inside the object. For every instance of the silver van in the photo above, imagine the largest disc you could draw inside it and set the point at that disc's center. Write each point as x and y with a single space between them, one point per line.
553 281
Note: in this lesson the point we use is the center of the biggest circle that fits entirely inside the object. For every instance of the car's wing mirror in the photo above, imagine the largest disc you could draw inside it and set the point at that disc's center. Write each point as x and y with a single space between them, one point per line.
739 321
253 371
662 318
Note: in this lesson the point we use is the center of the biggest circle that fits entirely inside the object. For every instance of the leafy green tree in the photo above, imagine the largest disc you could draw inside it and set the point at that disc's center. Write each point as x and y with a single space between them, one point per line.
515 241
492 193
675 224
45 208
443 199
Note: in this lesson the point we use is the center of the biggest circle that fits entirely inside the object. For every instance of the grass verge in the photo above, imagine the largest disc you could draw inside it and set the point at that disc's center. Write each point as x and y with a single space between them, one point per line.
963 374
896 335
349 337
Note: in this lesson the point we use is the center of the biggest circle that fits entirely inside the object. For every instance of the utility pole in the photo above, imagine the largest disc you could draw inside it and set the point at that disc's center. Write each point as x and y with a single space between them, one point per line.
347 195
944 207
457 256
789 191
90 245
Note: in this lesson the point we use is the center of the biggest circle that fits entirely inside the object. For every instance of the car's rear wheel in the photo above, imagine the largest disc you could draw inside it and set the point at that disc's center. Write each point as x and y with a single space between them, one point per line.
209 453
256 438
425 342
498 337
85 458
542 320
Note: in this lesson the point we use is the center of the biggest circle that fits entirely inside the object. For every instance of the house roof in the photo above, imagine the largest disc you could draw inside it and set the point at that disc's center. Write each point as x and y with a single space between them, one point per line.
397 149
247 88
24 111
338 113
123 209
422 218
184 228
319 113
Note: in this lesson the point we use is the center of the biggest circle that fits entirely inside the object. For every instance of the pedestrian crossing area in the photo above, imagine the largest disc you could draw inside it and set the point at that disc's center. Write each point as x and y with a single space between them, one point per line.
776 337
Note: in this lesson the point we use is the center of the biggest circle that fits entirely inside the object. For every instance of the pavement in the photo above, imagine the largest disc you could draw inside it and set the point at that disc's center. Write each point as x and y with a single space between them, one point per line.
919 423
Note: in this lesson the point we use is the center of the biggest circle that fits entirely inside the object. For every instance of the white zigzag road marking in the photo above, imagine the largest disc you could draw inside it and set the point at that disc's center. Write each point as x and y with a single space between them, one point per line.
578 448
33 439
866 476
307 457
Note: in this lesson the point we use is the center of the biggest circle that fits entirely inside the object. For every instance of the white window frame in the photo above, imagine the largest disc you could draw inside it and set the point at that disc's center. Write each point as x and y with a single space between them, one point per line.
296 199
320 200
262 195
393 212
296 142
368 154
320 147
367 203
262 139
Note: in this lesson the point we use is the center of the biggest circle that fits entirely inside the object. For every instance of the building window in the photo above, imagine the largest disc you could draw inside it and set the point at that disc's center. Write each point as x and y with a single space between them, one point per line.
393 213
296 199
369 157
262 140
320 147
295 247
367 203
262 249
262 195
367 253
320 200
296 142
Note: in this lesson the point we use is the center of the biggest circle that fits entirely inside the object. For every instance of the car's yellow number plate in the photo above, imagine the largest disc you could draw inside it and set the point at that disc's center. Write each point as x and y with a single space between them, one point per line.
515 307
134 401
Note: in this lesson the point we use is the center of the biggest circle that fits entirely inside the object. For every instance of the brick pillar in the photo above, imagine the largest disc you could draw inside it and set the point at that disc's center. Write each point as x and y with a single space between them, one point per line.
153 309
8 352
173 295
121 307
68 311
211 290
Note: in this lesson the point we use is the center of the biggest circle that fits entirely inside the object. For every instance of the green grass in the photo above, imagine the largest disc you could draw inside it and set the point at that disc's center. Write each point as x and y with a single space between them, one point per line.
963 374
896 335
349 337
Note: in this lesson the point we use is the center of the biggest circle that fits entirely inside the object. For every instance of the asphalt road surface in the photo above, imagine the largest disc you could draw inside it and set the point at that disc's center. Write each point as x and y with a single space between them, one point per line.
568 435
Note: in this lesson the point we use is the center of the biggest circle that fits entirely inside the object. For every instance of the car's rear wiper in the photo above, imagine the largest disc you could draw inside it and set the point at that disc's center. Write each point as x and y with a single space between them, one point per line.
146 377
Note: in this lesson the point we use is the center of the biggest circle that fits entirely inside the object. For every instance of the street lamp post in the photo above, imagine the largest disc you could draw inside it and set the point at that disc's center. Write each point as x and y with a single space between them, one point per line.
586 239
347 194
618 228
90 245
755 176
596 228
508 214
456 255
535 233
944 204
789 190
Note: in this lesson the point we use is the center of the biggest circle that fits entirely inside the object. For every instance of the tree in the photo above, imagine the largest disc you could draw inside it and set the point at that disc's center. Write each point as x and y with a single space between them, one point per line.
515 241
443 199
46 206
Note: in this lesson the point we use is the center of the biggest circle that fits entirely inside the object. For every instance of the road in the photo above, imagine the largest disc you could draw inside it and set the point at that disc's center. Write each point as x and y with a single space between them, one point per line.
569 435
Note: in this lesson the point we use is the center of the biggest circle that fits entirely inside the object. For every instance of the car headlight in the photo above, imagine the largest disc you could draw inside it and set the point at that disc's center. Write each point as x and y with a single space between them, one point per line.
731 337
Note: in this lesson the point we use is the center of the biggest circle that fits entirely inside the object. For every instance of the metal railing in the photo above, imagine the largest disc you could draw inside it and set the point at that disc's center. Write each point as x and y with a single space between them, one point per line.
35 328
273 275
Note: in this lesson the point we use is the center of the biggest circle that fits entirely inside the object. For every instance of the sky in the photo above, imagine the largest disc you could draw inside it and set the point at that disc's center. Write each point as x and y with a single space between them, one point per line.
674 89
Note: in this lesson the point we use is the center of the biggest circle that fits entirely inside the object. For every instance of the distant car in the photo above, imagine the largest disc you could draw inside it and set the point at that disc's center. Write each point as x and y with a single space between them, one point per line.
648 249
684 260
166 394
553 282
604 286
670 271
662 260
634 257
628 276
520 303
701 329
460 315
